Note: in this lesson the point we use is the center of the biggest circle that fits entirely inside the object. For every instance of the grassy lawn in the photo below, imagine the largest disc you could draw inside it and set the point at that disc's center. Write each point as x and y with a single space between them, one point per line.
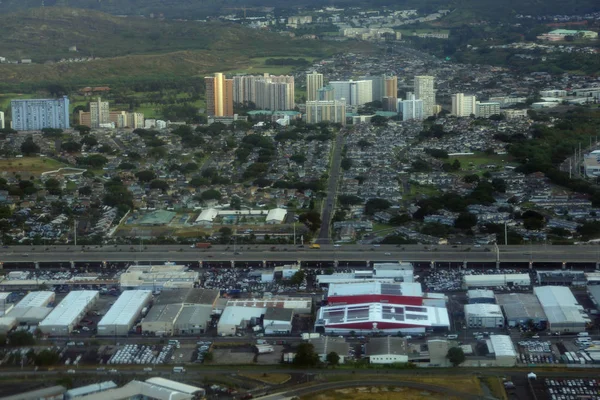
495 386
271 379
471 164
257 66
34 165
381 227
420 190
377 393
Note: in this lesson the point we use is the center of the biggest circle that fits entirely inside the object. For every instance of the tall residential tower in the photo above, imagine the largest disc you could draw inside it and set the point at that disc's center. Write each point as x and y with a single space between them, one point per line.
424 91
314 82
219 95
35 114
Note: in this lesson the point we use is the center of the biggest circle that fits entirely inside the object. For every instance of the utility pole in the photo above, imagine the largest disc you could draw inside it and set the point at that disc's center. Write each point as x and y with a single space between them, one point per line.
75 231
294 232
505 235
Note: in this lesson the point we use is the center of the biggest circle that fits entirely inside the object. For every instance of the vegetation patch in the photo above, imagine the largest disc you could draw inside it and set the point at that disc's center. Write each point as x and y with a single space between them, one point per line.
268 378
34 165
377 393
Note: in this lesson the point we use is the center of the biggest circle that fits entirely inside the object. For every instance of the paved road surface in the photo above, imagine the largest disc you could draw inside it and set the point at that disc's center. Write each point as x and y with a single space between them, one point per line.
332 186
550 254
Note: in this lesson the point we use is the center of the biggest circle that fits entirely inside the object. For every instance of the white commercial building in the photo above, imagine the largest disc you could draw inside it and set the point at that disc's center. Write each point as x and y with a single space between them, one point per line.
158 277
484 316
234 317
29 315
7 324
424 90
37 299
562 310
477 296
412 108
504 350
355 93
68 313
487 109
387 350
122 315
276 216
494 280
278 321
464 106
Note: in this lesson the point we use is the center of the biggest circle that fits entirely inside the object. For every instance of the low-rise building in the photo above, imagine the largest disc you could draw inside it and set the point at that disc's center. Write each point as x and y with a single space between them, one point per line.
328 344
386 350
484 316
563 311
522 309
278 321
503 349
481 296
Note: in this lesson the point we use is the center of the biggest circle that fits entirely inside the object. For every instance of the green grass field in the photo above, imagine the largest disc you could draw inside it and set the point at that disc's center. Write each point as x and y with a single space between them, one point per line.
256 65
472 164
34 165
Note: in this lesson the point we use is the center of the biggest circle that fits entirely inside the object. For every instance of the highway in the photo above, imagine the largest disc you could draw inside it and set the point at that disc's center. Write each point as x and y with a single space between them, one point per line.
505 254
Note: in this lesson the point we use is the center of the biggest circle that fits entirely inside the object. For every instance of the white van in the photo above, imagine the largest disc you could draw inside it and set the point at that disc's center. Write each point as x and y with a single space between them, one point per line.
178 370
583 334
584 340
452 337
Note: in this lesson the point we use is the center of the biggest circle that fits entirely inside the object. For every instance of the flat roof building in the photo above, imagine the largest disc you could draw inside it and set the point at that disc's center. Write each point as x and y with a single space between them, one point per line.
594 293
484 316
561 278
237 317
380 317
29 315
7 324
119 320
160 320
278 321
206 297
158 277
503 349
68 313
84 391
494 280
153 388
563 311
327 344
373 291
521 308
193 319
478 296
387 350
37 299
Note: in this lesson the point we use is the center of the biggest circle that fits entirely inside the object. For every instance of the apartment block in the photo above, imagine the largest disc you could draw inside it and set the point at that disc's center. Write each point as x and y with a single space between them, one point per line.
36 114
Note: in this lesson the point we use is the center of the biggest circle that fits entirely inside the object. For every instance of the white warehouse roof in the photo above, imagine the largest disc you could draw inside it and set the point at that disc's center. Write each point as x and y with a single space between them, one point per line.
483 310
36 299
497 279
375 287
276 214
207 215
234 315
127 308
502 346
481 294
560 305
173 385
71 308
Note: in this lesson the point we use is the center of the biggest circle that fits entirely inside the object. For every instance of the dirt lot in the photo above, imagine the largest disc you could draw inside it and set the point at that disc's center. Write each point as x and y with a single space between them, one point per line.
271 358
233 356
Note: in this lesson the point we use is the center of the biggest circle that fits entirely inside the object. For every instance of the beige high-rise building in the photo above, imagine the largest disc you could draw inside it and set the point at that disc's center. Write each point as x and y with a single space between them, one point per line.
99 113
219 95
424 91
314 82
2 123
120 119
463 106
326 110
390 86
268 92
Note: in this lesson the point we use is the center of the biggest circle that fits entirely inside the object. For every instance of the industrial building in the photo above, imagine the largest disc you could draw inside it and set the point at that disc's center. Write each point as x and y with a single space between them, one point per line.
7 324
594 293
387 350
384 272
278 321
563 311
380 317
193 319
484 316
37 299
152 388
238 317
158 277
438 350
373 291
122 315
503 349
5 304
561 278
87 390
29 315
327 344
160 320
481 296
495 280
68 313
521 309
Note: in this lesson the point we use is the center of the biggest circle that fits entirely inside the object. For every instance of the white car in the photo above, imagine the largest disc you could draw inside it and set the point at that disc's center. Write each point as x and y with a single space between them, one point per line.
337 245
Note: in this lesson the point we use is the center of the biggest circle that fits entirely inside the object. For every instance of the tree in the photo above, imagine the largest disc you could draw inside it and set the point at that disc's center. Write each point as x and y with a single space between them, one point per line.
474 178
379 120
235 203
159 184
311 219
298 278
82 129
333 359
374 205
437 153
94 161
499 185
70 146
306 356
85 191
211 194
46 357
255 170
456 356
349 200
465 220
400 219
298 158
29 148
89 140
127 166
346 164
225 231
145 176
21 338
53 186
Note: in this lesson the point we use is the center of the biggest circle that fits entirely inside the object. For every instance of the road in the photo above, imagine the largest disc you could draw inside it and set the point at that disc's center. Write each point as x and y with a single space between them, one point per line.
509 254
332 186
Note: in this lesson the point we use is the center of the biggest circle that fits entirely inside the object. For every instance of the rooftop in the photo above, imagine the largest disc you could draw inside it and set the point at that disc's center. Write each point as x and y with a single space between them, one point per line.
70 308
483 310
163 313
127 307
560 305
327 344
36 299
502 346
279 314
523 306
374 287
189 295
386 345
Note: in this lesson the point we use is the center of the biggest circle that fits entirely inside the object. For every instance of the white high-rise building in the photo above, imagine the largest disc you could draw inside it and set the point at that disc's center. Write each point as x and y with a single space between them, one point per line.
314 82
424 90
356 93
326 110
412 108
487 109
99 113
2 124
463 106
268 92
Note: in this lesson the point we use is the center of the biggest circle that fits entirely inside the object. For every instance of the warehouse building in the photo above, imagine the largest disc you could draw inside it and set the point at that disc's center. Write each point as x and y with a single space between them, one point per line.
160 320
238 317
158 277
380 317
119 320
5 303
387 350
67 314
561 278
438 350
594 293
278 321
207 297
7 324
193 319
29 315
373 291
327 344
484 316
481 296
37 299
153 388
495 280
521 309
563 311
503 349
